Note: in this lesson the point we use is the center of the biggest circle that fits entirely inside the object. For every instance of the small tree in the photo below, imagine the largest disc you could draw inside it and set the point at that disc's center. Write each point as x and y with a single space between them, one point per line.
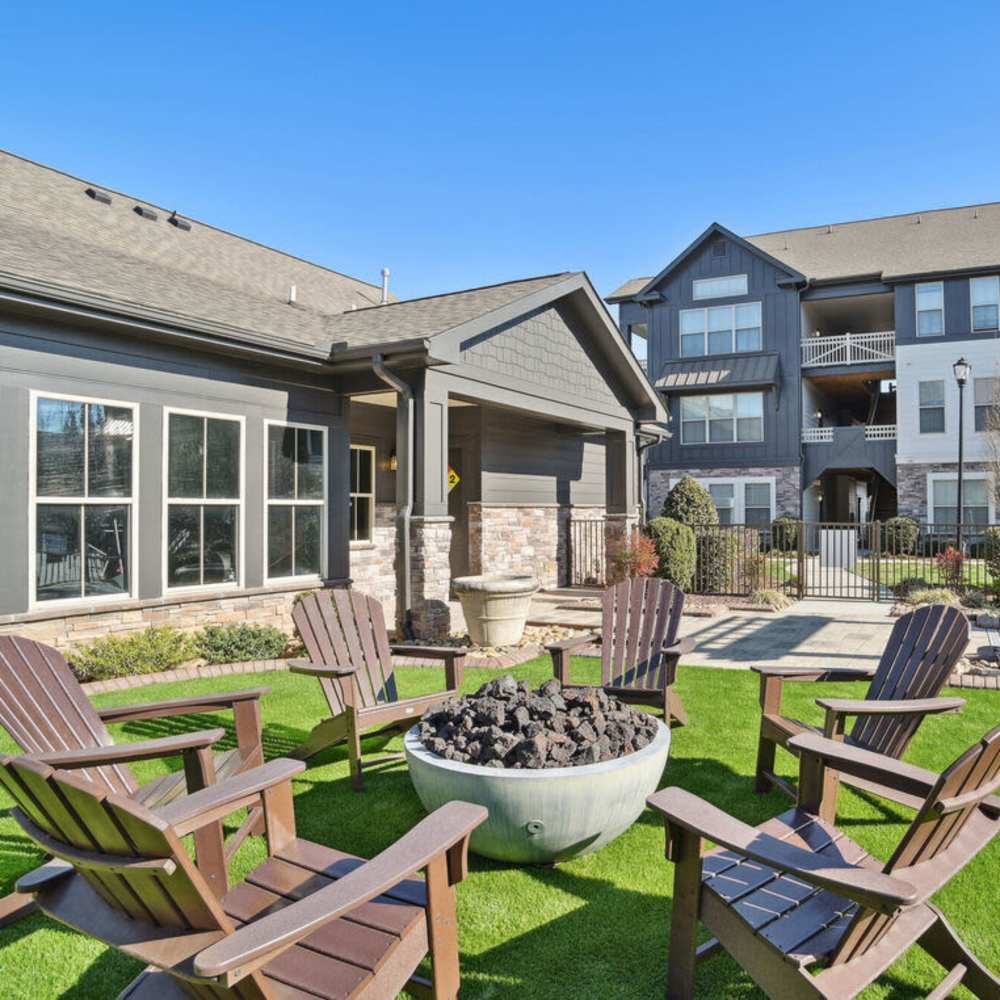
637 557
901 535
950 564
690 503
785 534
675 546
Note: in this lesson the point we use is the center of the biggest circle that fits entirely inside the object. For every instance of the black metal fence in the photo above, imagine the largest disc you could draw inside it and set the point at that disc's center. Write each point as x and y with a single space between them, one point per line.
587 555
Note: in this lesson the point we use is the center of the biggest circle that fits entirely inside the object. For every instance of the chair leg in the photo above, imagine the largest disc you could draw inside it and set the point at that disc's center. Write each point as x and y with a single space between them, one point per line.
354 752
16 906
766 752
442 927
674 710
943 944
685 852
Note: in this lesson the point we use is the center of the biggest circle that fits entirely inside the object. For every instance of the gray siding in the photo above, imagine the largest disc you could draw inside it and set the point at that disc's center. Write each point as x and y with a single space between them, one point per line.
957 314
86 363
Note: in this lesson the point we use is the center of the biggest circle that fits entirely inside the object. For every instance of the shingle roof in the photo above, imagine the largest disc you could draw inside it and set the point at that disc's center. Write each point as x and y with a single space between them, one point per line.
719 373
631 287
53 235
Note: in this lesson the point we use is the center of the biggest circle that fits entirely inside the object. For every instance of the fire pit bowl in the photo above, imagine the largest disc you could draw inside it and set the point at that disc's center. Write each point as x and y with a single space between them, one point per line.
543 815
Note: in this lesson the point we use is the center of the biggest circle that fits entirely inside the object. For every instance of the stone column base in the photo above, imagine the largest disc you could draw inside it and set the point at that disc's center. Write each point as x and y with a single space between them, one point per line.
618 530
430 569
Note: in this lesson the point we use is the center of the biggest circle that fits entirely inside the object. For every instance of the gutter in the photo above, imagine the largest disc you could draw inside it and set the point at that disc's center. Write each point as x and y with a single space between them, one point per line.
646 435
406 510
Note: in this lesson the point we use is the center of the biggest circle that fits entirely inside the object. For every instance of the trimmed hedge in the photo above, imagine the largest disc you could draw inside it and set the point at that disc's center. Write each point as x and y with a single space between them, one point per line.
900 535
785 534
690 503
239 643
675 545
158 647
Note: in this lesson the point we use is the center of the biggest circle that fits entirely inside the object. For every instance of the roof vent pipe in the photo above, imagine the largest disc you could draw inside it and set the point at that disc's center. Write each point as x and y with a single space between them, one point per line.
385 287
293 293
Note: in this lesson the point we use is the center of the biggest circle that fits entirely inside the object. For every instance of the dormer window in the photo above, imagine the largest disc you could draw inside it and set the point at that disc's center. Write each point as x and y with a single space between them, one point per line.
719 288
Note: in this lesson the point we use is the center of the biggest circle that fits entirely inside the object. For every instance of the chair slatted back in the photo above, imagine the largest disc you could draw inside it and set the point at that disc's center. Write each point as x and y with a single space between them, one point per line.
344 628
919 657
640 616
43 708
129 857
952 807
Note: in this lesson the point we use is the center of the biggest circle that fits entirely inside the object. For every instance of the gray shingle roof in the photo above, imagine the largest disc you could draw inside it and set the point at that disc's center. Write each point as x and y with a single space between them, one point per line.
731 372
631 287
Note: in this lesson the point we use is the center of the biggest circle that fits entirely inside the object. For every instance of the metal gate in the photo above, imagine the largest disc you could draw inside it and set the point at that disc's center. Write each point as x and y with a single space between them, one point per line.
841 560
586 552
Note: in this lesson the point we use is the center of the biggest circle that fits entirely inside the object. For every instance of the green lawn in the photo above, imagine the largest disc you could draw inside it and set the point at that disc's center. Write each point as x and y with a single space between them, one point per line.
596 927
891 571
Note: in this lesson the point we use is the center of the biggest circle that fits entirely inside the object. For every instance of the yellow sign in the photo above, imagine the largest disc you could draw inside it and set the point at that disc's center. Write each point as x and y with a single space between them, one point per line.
453 479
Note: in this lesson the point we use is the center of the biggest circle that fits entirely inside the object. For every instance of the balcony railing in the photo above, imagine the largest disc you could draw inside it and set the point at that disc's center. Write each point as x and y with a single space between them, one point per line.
849 349
824 435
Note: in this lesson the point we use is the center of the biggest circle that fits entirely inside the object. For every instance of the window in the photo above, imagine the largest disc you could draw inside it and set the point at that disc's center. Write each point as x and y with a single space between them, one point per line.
975 500
724 497
362 492
932 407
84 490
722 418
985 296
728 329
204 499
638 334
296 500
757 504
986 401
930 309
719 288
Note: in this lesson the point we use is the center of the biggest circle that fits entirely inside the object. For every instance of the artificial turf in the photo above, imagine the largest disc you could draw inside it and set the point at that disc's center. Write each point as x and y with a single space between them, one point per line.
594 927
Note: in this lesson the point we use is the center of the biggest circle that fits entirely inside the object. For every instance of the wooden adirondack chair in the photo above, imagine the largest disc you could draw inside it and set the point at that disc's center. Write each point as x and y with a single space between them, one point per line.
44 709
640 649
796 893
919 657
350 653
308 923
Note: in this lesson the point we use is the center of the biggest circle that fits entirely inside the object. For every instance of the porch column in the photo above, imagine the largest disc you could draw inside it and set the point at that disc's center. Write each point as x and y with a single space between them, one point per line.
430 530
621 502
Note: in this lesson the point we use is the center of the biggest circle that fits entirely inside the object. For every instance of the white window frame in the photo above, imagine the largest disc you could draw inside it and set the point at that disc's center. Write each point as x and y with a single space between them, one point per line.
34 500
208 588
370 540
735 439
917 310
942 406
704 310
739 484
323 504
972 309
699 284
933 477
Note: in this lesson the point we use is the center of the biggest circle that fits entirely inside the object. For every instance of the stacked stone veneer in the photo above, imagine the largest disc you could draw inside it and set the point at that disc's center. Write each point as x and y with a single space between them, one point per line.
911 484
374 567
787 485
512 538
430 570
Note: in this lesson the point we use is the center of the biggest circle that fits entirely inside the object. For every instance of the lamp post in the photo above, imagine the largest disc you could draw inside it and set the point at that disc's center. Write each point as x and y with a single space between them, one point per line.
961 368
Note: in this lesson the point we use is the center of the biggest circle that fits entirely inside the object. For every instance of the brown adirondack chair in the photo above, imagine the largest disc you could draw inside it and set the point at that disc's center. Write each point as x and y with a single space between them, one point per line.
310 922
349 652
639 647
796 893
919 657
45 711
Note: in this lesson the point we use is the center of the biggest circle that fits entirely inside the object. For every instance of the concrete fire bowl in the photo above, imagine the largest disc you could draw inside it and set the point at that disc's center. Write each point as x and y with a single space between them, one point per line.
546 815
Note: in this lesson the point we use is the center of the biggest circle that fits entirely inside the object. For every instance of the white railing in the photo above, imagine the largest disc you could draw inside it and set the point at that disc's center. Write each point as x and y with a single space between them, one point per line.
880 432
849 349
824 435
816 435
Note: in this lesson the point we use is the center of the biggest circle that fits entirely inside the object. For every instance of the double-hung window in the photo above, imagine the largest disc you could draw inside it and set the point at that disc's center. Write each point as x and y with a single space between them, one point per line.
84 486
720 329
930 309
986 401
975 501
723 418
296 500
204 474
932 407
757 504
985 296
362 492
724 498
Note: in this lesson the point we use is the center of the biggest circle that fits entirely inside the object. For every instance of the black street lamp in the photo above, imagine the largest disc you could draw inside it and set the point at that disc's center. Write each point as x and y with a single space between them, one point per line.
961 368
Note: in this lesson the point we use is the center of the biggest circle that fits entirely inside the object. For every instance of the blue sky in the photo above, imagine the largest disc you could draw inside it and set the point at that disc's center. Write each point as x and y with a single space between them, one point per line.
468 143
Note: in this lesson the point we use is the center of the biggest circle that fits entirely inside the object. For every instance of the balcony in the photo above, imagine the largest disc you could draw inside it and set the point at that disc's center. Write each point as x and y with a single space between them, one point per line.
850 349
824 435
864 446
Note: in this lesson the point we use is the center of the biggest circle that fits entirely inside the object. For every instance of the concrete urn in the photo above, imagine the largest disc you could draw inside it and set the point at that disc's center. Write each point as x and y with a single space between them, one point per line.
495 606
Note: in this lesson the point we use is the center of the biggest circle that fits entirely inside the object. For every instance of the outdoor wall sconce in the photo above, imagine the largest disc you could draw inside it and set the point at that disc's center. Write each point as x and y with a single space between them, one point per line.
393 462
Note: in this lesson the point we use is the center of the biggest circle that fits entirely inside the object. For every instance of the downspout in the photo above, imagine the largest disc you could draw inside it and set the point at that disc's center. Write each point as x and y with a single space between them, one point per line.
406 508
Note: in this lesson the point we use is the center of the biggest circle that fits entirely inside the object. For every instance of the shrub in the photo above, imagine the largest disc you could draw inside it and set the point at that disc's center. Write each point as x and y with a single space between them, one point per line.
950 564
770 598
976 600
791 583
690 503
909 584
157 648
991 553
931 595
675 546
719 562
238 643
785 534
637 557
900 535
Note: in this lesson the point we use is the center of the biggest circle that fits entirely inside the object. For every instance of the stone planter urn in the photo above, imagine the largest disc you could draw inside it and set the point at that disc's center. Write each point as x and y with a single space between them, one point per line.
547 815
496 606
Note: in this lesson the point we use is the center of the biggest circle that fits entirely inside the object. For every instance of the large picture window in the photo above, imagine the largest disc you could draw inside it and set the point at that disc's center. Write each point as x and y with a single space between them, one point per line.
83 494
719 288
720 330
204 458
296 500
362 492
722 418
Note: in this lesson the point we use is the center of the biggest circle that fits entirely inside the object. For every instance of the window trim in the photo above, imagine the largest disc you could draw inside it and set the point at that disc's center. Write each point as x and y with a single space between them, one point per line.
33 500
695 282
739 484
356 543
972 309
323 504
933 477
918 310
202 588
705 353
942 406
736 439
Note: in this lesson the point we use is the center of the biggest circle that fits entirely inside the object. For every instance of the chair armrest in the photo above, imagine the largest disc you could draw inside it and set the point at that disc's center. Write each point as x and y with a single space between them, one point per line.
261 940
866 764
215 802
319 669
180 706
904 706
126 753
884 893
428 652
574 642
807 674
680 647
